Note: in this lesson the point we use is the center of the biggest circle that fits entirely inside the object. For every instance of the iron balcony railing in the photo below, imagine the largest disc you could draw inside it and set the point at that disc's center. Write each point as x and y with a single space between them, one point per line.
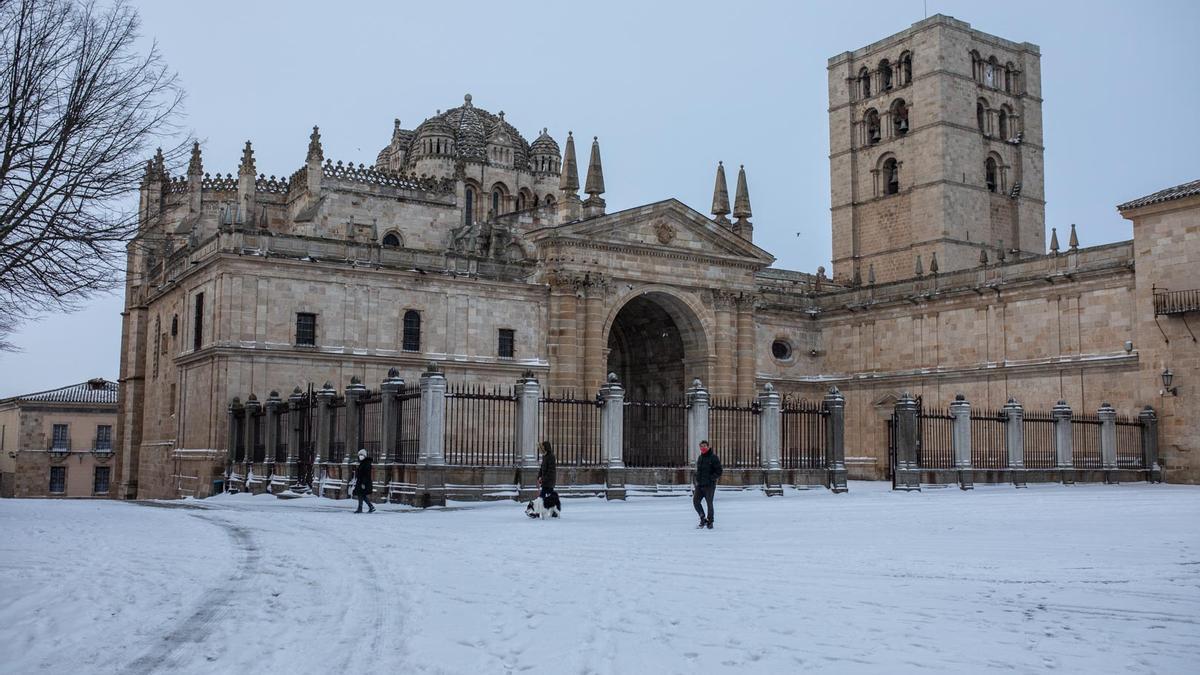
60 445
1176 302
102 445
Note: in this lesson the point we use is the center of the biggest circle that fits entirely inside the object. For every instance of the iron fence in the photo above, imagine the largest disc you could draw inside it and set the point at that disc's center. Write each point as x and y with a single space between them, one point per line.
336 451
239 438
733 432
408 426
479 426
283 428
1041 444
259 428
370 425
1129 444
988 438
572 425
654 434
1085 441
804 435
935 434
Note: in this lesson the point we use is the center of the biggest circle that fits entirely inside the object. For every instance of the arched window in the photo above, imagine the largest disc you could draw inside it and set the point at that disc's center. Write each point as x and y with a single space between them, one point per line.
1010 77
906 69
412 331
496 202
1002 118
981 115
991 73
891 176
989 174
470 210
899 117
392 239
520 201
871 119
549 200
864 82
976 66
885 75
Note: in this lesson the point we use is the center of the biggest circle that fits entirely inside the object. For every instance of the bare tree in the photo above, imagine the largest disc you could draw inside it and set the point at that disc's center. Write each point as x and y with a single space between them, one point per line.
81 107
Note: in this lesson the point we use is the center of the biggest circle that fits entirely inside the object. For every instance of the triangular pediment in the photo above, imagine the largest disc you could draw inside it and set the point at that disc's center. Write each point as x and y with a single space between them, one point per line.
666 226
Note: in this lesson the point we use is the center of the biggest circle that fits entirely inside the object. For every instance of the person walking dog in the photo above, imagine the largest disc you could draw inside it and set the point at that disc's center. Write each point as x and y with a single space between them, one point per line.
708 471
547 470
362 482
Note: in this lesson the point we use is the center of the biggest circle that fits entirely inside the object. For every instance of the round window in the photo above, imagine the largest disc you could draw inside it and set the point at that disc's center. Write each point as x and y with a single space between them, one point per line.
781 350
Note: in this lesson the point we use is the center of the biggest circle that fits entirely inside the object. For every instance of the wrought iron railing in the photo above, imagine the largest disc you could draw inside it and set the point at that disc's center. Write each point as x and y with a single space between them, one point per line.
804 435
1176 302
988 438
654 434
479 426
733 432
572 425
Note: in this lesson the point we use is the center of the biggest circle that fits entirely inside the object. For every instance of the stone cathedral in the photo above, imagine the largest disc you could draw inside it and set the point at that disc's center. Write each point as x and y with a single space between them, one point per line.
468 245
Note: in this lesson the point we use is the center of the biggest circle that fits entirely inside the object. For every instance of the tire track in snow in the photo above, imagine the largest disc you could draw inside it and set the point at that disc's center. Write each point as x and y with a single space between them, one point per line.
213 605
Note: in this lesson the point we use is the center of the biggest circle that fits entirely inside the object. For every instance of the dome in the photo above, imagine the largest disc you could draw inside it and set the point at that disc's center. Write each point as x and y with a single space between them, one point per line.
471 129
544 144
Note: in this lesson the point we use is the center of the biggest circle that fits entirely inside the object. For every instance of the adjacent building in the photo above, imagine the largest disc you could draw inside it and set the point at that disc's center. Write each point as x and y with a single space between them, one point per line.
59 443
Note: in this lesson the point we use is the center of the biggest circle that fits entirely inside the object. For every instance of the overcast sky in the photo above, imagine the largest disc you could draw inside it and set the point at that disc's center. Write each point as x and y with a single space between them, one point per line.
670 88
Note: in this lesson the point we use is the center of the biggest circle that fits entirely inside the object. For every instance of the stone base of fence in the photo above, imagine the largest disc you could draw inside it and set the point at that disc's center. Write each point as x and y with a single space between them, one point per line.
909 479
614 484
773 482
836 480
1002 476
527 482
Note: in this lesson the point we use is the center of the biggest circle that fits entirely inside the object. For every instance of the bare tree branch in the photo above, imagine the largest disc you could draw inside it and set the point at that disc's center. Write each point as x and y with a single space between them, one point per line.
80 109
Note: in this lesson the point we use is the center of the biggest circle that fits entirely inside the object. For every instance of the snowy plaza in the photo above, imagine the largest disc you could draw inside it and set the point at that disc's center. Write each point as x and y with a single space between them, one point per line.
1075 579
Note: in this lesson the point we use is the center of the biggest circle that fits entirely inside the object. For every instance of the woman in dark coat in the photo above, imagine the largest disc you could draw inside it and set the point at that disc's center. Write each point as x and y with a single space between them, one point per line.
362 482
547 470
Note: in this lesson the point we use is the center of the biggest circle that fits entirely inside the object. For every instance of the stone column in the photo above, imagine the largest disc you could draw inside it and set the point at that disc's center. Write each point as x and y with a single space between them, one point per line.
355 392
564 338
1149 422
248 428
1014 439
835 435
593 348
725 383
295 411
612 427
325 398
1063 442
960 410
431 475
746 365
274 406
1108 441
907 473
389 392
235 411
697 419
770 439
525 432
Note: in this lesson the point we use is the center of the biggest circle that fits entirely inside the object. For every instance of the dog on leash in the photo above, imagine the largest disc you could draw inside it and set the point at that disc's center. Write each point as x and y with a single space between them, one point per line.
544 507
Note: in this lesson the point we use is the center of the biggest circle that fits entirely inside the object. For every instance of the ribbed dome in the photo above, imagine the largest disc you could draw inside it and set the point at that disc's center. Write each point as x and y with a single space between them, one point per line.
471 128
544 144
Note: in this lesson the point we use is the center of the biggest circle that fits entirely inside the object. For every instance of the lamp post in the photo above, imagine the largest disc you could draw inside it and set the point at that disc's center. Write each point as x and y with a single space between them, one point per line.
1167 378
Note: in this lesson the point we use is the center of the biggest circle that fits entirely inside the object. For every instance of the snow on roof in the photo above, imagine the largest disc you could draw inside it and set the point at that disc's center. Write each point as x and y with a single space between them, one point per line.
96 390
1177 192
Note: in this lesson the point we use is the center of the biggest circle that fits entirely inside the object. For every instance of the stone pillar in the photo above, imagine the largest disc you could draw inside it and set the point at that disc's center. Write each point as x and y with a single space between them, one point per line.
593 348
325 398
564 338
295 425
431 475
1063 442
770 439
960 410
525 432
389 392
835 435
904 420
1149 422
1014 439
612 427
1108 441
235 411
746 365
725 383
697 419
274 407
252 420
355 392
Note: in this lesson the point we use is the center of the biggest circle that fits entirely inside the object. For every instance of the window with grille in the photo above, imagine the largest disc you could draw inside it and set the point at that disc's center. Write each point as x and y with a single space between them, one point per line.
507 339
306 328
100 484
62 439
104 437
412 331
58 479
198 323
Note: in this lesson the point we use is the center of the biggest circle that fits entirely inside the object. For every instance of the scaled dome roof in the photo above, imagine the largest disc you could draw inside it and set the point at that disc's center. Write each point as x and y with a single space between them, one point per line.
471 128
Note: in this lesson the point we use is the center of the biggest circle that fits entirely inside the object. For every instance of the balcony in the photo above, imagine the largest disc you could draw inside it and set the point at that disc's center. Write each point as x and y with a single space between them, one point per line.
1167 303
59 446
102 446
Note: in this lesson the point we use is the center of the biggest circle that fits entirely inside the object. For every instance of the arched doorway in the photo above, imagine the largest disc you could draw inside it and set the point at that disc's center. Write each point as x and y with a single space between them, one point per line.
656 345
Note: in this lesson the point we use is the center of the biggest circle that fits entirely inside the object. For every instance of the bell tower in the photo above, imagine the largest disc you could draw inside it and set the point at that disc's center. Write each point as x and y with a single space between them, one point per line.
935 137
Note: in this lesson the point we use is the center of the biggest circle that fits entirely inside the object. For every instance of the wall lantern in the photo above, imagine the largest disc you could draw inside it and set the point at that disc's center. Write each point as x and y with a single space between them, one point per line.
1167 377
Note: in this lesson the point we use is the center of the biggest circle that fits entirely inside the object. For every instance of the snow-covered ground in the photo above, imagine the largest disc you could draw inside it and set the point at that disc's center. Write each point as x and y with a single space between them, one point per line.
1083 579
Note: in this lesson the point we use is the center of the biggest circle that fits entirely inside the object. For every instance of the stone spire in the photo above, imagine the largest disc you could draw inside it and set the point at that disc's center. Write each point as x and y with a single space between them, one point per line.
919 269
246 187
741 208
594 204
1054 240
1074 238
195 178
315 152
569 206
195 167
933 264
720 204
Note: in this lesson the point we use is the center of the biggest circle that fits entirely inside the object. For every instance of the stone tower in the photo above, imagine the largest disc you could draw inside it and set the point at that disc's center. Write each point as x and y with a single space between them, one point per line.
935 137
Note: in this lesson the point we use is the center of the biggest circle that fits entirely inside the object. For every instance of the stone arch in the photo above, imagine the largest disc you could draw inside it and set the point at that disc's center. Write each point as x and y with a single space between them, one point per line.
657 341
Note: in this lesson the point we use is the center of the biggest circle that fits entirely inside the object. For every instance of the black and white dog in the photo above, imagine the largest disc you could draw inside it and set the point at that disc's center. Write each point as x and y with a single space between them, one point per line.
548 507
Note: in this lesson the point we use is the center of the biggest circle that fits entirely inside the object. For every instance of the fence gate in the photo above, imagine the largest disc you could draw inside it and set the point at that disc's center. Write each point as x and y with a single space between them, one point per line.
733 432
655 434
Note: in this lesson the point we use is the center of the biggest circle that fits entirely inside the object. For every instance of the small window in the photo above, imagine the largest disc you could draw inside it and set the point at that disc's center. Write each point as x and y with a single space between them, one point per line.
864 82
989 171
306 329
496 202
58 479
412 331
61 439
391 239
198 323
781 350
103 437
100 483
507 339
885 74
174 325
470 206
891 176
899 118
981 116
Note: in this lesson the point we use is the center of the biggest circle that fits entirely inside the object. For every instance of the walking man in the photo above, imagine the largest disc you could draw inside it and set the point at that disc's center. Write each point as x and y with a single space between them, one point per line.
708 470
362 482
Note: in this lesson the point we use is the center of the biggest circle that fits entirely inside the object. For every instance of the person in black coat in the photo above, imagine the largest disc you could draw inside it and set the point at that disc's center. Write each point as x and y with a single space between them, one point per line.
546 472
708 471
362 482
